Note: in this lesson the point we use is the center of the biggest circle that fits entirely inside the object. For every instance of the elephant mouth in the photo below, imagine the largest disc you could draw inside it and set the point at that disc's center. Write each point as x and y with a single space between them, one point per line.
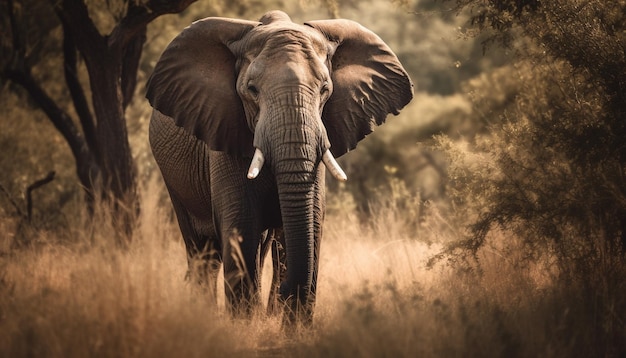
327 158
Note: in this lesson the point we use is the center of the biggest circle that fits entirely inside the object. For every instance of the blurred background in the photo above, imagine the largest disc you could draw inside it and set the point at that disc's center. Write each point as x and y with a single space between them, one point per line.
489 216
428 37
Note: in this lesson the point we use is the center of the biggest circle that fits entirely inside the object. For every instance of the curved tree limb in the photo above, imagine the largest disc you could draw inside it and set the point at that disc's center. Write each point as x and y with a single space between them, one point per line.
76 90
57 116
130 35
139 16
130 66
75 16
29 197
101 150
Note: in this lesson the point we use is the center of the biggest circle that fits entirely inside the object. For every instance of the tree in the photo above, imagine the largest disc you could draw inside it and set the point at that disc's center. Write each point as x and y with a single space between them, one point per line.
546 185
99 143
555 160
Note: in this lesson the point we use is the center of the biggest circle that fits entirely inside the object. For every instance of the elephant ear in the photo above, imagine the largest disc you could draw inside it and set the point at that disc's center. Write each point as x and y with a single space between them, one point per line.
194 83
368 80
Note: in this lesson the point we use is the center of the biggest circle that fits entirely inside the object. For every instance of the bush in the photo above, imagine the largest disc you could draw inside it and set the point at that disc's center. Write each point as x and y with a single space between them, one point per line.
549 172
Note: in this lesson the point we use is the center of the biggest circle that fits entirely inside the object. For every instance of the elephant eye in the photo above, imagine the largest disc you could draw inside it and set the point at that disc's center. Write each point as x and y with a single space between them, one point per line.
325 91
253 90
325 88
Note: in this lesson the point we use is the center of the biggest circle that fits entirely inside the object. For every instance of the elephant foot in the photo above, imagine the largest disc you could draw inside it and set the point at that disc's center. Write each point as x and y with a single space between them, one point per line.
202 273
273 304
245 310
279 270
297 309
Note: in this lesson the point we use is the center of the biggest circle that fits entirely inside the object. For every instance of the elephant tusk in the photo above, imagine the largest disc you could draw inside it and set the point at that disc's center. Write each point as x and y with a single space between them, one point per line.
256 164
333 166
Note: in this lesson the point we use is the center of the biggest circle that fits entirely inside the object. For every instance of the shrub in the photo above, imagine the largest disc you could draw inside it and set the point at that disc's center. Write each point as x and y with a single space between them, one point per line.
549 172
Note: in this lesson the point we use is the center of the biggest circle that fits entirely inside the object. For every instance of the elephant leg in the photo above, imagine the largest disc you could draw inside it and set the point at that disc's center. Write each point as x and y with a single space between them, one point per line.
241 273
183 161
275 244
204 251
236 206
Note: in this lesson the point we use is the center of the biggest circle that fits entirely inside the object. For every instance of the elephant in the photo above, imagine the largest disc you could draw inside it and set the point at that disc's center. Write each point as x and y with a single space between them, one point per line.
247 116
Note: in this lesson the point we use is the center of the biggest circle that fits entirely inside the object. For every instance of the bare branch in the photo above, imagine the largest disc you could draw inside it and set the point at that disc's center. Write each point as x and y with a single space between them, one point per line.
29 199
18 56
85 34
130 66
18 45
59 118
76 90
139 16
19 72
130 35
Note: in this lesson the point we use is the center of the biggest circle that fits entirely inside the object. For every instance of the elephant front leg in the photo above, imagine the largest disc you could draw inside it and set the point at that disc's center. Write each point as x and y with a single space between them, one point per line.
203 248
204 266
236 218
241 272
275 245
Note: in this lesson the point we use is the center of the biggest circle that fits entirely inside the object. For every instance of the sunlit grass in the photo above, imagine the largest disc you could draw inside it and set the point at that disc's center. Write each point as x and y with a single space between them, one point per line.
376 298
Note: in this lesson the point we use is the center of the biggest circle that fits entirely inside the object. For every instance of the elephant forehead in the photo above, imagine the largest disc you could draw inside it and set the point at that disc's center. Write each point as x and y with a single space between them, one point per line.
276 38
289 38
293 66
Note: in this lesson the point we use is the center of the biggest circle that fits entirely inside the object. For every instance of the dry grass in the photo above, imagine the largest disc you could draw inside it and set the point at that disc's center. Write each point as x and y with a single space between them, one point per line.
376 298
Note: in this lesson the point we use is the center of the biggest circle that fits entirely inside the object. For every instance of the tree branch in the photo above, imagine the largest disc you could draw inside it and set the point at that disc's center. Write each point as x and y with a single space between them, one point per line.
29 197
130 36
76 90
19 72
17 58
15 31
130 66
139 16
59 118
85 34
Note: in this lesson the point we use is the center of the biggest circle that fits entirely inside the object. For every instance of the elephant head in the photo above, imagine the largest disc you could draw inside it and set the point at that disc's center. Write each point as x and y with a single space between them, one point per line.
288 97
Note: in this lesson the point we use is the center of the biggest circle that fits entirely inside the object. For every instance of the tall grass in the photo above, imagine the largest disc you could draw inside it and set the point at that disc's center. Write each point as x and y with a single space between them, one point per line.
85 297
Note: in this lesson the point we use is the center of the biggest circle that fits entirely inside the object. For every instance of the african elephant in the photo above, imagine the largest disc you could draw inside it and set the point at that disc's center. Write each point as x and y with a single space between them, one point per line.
244 113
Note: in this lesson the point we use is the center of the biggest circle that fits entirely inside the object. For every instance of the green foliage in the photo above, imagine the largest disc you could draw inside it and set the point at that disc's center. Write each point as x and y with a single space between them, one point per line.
550 170
548 174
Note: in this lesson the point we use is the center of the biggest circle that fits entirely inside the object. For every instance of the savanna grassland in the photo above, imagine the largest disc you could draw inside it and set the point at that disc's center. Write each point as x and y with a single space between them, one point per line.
488 219
87 298
76 295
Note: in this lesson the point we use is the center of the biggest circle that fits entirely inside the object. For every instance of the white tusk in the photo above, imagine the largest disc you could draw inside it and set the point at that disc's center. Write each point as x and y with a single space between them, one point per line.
333 166
256 164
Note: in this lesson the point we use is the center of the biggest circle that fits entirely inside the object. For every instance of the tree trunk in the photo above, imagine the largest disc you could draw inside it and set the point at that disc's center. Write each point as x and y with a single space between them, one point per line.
112 62
104 163
117 184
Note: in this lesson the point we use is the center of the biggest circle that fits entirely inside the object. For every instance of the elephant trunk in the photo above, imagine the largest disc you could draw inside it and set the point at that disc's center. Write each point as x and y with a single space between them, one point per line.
302 213
300 182
292 142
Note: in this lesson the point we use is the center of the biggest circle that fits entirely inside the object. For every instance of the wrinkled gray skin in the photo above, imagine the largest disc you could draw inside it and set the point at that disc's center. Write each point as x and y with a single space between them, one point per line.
224 88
